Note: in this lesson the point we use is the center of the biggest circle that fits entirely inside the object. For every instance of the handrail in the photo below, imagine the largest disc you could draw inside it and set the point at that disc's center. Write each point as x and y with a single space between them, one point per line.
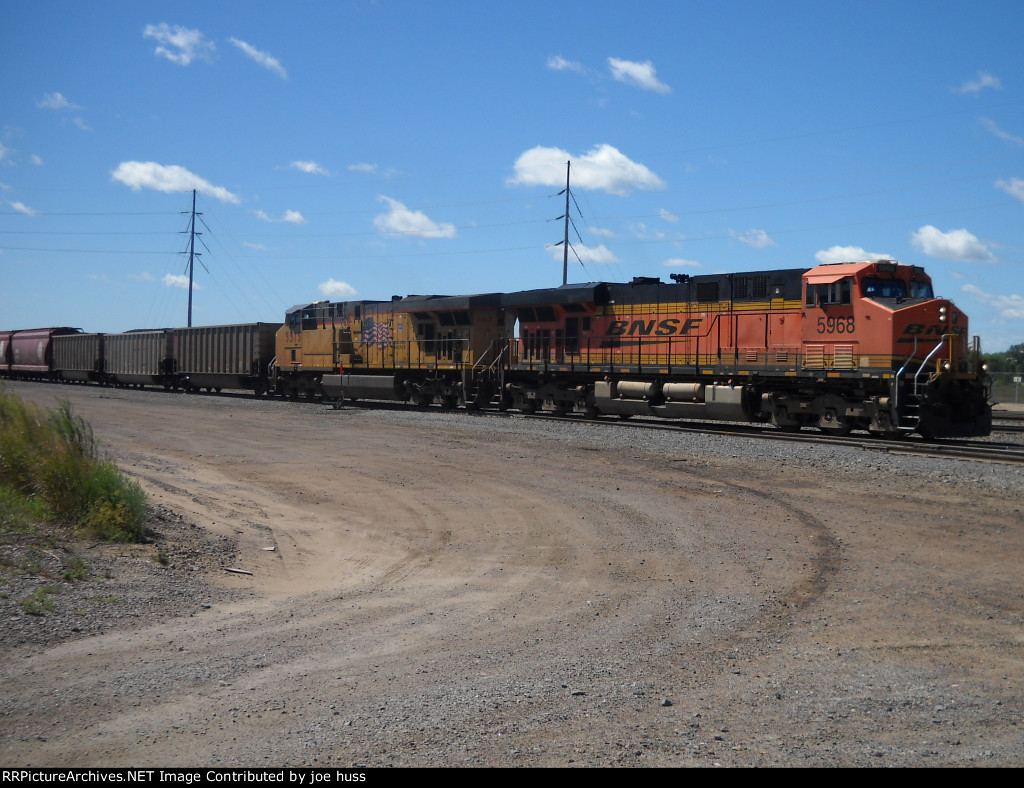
928 358
899 374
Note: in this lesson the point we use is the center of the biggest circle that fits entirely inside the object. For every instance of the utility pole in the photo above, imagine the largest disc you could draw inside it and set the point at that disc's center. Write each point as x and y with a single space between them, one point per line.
565 239
191 255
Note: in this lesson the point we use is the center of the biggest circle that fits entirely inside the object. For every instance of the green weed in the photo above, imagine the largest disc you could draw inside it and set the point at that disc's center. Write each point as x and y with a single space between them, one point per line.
39 602
75 569
50 469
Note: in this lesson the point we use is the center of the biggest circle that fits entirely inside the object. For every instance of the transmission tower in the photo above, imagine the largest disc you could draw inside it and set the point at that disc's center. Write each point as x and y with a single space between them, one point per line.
192 253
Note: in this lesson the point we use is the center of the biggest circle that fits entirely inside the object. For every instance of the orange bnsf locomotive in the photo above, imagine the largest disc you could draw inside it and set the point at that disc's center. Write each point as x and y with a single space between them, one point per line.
840 347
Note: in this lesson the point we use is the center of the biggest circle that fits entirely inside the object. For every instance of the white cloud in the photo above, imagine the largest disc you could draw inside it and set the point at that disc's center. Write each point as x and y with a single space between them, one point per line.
1010 306
22 208
559 63
601 255
668 216
399 220
58 101
679 262
601 168
332 288
757 239
168 178
291 217
55 101
1014 187
179 281
145 276
5 152
367 168
983 80
602 232
310 167
954 245
263 58
846 254
641 230
250 245
641 75
992 127
36 160
179 44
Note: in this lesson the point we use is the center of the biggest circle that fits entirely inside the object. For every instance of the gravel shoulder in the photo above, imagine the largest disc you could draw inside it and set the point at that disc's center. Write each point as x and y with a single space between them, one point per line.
435 589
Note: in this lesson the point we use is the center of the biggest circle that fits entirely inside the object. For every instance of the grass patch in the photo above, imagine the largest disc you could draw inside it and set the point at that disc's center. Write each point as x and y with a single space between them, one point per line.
51 471
75 569
39 602
19 513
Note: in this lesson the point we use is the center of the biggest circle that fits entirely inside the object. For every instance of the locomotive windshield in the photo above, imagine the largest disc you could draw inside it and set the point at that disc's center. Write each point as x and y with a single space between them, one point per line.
873 287
921 290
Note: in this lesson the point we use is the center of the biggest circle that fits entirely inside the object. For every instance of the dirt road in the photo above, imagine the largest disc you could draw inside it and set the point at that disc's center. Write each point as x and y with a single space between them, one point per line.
453 591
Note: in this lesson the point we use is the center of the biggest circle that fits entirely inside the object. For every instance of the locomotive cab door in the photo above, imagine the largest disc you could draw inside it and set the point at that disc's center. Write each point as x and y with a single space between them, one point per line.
830 324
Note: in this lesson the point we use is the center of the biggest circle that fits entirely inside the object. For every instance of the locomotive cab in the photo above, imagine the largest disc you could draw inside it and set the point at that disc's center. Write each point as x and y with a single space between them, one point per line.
880 322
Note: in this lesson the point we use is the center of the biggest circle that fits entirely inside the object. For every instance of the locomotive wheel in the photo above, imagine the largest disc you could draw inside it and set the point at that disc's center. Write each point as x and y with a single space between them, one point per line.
785 423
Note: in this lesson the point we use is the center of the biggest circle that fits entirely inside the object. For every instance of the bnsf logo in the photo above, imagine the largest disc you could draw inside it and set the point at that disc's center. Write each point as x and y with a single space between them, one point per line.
664 328
918 330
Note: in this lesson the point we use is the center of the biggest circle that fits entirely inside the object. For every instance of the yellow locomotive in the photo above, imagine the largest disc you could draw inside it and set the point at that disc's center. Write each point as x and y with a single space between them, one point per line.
427 349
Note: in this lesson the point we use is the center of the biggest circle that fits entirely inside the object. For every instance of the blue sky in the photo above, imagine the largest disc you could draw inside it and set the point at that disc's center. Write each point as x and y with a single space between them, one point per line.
369 149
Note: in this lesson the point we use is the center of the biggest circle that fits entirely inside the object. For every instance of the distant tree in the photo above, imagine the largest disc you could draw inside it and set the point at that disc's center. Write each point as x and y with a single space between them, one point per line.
1015 357
997 362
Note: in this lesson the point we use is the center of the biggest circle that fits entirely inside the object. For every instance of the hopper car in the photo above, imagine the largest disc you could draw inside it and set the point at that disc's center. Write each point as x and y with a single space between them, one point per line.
191 359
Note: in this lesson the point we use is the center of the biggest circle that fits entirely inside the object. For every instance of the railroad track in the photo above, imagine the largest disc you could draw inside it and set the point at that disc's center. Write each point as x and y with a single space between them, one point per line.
990 451
1007 453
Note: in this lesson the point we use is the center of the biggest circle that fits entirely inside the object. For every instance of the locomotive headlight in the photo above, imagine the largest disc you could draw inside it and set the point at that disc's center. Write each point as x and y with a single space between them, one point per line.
942 314
984 368
947 366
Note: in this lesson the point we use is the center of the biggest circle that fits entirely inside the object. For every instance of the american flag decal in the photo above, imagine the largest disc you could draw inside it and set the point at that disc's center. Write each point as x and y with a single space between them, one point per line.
376 333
